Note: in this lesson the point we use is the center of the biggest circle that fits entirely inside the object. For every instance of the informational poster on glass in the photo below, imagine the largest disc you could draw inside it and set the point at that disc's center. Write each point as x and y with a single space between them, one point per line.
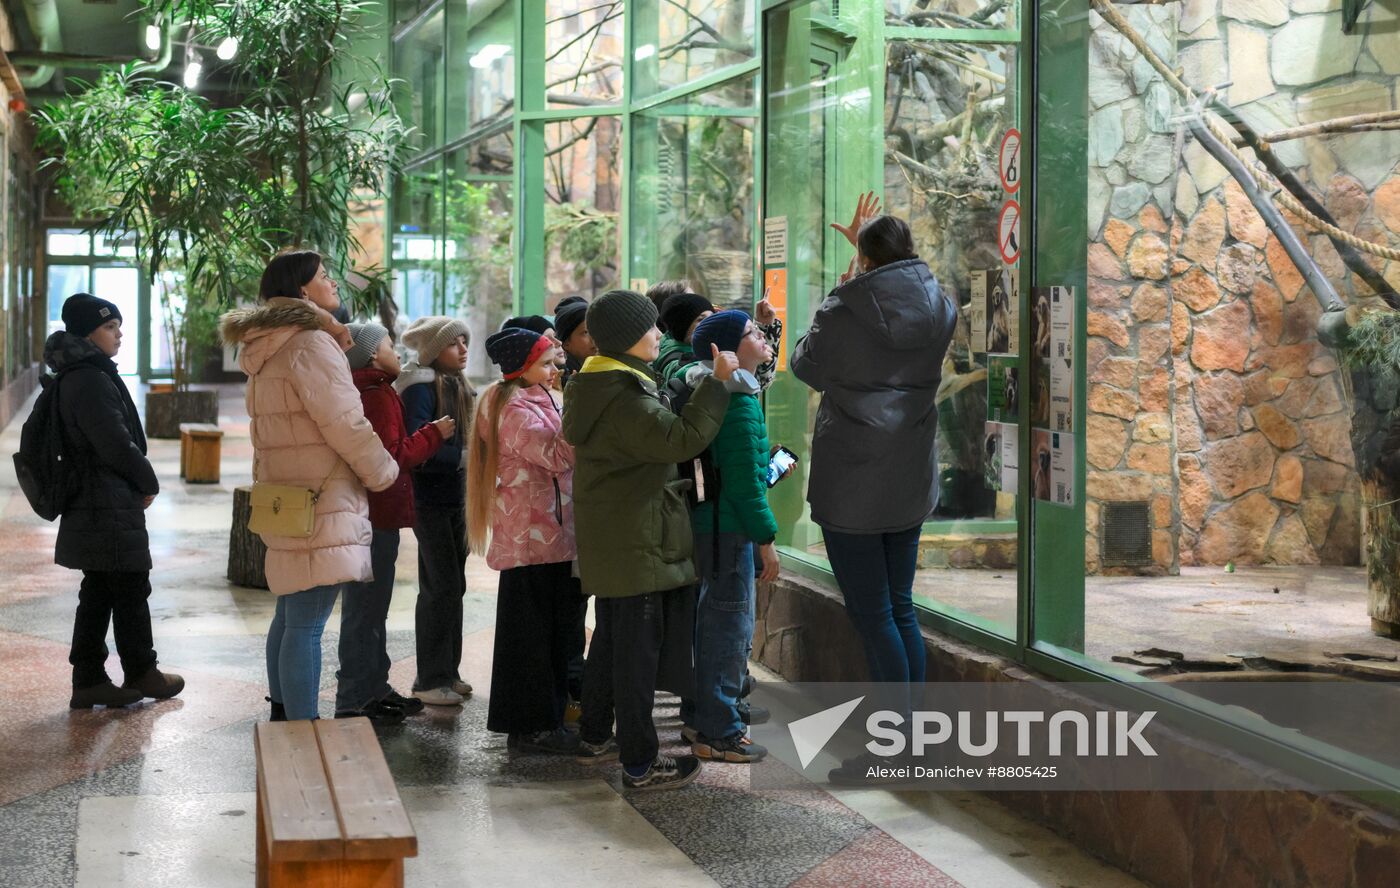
1000 451
1052 466
1003 388
1052 359
993 314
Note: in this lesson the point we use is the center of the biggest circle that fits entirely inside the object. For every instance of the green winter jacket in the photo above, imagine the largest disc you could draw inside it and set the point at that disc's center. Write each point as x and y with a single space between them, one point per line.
740 453
630 515
674 358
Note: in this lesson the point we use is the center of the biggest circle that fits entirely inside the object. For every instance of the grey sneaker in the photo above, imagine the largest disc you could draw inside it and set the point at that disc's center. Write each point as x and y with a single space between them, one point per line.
597 753
665 773
736 750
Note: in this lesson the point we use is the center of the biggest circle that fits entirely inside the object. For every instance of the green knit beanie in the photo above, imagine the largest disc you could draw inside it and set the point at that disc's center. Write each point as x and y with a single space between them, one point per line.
618 319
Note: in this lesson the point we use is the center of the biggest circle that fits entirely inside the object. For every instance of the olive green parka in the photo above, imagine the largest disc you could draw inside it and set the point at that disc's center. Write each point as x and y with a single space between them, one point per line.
630 510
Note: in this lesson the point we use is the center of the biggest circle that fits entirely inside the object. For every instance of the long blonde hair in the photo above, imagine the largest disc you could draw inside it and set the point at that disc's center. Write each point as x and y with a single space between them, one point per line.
483 458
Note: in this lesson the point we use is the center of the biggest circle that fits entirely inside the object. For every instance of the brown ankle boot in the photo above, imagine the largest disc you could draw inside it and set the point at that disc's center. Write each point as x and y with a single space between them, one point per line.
105 694
157 684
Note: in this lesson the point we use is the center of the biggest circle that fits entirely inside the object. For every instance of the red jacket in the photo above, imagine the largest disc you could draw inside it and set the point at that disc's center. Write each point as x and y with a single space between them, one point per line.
393 508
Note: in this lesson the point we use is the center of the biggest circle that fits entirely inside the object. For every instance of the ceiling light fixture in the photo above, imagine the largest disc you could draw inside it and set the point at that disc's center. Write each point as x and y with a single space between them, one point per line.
228 48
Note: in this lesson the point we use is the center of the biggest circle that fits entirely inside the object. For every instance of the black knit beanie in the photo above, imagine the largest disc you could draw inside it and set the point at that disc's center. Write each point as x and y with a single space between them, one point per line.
567 318
535 323
83 313
618 320
680 311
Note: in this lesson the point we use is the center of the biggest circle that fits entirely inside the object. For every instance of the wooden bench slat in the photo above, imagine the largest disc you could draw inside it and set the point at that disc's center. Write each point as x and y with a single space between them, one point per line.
373 821
195 427
298 809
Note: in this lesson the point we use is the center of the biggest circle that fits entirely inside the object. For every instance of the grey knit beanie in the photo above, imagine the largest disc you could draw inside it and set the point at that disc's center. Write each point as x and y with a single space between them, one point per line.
366 338
618 319
427 337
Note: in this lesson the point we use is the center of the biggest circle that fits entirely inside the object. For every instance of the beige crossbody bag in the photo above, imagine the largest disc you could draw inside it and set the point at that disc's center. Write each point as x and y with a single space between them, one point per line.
283 509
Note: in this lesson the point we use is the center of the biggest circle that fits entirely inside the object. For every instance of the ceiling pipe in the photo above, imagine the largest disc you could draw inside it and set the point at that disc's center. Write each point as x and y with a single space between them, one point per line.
43 21
50 59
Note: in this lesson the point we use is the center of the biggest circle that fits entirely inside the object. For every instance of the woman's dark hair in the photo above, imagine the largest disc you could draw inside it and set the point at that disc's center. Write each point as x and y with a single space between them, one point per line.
886 239
287 273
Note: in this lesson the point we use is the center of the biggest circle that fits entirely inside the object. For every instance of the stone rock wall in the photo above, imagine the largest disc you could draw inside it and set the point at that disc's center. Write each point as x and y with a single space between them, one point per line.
1209 395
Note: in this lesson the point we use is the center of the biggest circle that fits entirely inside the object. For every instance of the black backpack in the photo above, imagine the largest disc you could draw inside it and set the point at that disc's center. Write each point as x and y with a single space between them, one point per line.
46 477
700 471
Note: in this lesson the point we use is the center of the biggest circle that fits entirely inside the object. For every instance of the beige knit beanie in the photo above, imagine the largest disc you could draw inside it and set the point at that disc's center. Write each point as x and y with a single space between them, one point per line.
427 337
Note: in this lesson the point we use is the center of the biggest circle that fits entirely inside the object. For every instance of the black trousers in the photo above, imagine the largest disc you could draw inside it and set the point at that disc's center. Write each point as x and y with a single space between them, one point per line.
619 676
442 583
578 640
118 598
536 607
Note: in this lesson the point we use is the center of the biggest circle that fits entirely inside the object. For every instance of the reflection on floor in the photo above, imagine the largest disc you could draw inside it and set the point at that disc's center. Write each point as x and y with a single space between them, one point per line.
161 794
1205 619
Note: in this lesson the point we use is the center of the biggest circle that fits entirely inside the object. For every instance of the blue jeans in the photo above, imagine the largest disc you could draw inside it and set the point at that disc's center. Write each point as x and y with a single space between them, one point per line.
294 649
723 631
876 575
363 676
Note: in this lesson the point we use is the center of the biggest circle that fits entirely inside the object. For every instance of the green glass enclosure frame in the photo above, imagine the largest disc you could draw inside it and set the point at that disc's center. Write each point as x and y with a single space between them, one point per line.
1051 38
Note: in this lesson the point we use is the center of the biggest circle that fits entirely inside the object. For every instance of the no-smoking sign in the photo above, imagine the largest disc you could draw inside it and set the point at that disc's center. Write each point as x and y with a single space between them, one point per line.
1009 161
1009 232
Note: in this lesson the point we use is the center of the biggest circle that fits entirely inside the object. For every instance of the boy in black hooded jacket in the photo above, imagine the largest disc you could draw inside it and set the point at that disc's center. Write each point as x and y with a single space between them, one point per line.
102 530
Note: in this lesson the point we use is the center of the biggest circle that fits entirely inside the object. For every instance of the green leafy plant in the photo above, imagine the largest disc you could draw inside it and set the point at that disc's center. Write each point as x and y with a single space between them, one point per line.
585 235
211 191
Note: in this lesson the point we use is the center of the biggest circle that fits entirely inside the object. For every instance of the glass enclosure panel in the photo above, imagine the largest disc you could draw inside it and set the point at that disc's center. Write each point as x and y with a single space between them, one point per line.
800 184
162 360
480 64
692 198
418 246
582 194
677 41
69 242
64 281
583 46
122 285
953 13
947 106
418 66
480 219
1239 516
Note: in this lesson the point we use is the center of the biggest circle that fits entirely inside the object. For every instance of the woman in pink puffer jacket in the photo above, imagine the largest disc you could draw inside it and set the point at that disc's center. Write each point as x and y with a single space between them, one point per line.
308 430
520 474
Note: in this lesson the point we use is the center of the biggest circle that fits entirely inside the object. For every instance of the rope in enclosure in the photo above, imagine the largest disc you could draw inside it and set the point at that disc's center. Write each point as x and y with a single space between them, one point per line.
1266 182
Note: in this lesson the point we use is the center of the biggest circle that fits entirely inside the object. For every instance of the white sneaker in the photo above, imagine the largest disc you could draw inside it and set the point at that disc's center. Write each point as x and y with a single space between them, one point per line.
462 688
440 697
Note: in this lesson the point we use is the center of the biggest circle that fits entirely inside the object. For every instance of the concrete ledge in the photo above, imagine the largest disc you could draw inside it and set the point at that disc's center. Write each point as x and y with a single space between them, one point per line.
1288 838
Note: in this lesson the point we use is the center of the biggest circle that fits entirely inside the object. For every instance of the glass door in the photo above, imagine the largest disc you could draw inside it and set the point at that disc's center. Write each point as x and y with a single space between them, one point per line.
121 284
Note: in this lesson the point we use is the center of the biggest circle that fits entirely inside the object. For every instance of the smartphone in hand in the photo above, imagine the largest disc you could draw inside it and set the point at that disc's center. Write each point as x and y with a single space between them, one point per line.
783 460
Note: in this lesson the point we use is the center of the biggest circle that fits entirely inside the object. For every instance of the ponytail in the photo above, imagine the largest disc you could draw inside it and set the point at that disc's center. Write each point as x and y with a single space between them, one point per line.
483 458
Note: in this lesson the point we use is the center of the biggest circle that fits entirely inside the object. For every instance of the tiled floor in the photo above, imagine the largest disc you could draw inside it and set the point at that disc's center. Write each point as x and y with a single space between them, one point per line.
161 794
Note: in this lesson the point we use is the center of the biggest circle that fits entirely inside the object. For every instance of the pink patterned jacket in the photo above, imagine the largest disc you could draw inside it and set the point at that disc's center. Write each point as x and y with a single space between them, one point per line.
533 521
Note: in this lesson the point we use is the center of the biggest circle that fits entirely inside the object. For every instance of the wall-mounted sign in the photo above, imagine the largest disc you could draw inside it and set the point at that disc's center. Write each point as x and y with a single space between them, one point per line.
1009 232
999 458
775 240
994 313
1052 466
1009 161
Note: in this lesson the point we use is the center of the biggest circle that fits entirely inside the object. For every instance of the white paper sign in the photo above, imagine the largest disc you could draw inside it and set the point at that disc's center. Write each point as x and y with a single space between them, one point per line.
775 240
1052 466
1061 359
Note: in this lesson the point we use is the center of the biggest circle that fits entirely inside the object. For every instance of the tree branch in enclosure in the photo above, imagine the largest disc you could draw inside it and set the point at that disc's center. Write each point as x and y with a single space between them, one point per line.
1349 255
1322 288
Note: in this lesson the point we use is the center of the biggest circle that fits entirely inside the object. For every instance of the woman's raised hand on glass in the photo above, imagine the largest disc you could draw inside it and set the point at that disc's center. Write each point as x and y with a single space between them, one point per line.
867 207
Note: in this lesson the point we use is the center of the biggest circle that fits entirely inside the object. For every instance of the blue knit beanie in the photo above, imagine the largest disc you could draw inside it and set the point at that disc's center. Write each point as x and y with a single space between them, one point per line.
724 329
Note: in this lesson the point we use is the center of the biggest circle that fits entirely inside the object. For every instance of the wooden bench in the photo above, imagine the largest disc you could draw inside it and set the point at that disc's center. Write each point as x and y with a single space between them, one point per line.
200 443
329 815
